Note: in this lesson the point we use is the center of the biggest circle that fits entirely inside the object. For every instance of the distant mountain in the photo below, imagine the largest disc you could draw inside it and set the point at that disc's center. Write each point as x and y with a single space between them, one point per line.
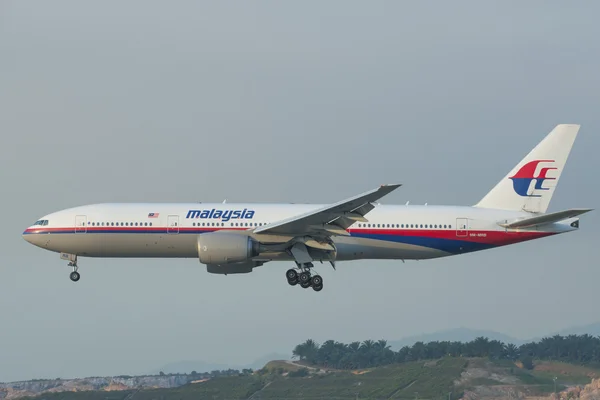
466 335
453 335
187 366
591 329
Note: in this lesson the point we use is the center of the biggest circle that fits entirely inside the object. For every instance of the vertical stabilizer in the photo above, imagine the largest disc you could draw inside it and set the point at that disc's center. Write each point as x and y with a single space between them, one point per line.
530 185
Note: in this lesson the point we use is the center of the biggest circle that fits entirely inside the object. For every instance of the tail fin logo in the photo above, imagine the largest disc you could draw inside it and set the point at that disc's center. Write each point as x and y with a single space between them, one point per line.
526 174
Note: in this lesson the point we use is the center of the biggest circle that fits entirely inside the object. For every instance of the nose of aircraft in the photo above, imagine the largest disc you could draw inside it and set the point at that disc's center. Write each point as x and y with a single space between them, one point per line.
26 236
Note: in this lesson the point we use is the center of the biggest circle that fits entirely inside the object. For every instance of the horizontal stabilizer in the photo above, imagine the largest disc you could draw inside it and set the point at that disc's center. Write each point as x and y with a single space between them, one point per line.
546 218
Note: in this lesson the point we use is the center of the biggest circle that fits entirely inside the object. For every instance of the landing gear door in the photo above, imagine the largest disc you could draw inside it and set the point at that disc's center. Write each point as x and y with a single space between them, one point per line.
173 224
462 227
80 224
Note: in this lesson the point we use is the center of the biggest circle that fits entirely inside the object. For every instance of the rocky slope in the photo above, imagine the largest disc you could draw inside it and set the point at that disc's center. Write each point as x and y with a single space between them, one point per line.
31 388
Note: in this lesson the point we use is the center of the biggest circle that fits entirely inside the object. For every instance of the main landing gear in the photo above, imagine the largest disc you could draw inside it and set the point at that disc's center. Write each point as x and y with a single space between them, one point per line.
304 278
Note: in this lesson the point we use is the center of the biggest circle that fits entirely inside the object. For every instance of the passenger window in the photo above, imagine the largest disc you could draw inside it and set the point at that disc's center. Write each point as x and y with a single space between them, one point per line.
150 223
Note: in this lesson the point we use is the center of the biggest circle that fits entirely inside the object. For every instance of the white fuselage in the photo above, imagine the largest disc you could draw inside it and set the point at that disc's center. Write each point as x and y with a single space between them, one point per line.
171 230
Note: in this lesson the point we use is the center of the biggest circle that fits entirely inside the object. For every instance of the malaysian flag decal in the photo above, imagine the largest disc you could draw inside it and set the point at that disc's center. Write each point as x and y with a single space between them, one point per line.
153 215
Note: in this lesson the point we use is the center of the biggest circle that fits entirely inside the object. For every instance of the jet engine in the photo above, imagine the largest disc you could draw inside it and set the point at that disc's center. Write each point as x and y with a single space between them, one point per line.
218 248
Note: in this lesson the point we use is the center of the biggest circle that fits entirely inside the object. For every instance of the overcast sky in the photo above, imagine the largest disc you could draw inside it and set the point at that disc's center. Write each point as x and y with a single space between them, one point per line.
284 102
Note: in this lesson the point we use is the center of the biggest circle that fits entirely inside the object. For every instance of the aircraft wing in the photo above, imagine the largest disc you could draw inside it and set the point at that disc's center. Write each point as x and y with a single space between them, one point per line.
332 219
546 218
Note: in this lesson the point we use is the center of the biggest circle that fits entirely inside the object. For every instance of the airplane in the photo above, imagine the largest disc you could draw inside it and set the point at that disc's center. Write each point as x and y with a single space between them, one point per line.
236 238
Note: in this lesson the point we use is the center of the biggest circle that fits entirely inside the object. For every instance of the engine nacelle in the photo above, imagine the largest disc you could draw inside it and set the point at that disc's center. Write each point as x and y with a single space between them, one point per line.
226 248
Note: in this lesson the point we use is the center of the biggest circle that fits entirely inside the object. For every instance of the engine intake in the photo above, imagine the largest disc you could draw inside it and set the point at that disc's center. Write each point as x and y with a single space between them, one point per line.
226 248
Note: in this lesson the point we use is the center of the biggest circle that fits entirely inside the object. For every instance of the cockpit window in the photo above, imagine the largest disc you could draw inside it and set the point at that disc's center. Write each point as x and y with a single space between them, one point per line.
41 222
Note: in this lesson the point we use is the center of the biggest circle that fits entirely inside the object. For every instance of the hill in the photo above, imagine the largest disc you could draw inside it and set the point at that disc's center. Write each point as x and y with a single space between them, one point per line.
187 366
454 377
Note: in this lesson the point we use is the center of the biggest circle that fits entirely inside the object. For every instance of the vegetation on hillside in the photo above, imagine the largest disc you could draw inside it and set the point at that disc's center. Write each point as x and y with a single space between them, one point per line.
582 349
372 370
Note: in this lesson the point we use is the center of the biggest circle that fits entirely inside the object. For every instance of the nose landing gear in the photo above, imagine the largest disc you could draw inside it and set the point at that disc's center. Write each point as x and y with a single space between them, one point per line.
72 263
74 276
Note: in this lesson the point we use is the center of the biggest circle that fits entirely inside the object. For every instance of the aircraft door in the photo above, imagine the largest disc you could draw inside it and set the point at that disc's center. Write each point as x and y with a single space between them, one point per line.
80 224
173 224
462 227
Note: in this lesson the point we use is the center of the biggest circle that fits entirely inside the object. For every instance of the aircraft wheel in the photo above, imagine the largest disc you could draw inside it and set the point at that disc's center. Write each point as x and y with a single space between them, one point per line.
317 280
318 288
74 276
305 285
291 275
304 277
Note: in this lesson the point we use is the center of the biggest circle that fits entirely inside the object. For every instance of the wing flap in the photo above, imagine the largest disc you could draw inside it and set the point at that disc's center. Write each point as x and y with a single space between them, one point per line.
546 218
